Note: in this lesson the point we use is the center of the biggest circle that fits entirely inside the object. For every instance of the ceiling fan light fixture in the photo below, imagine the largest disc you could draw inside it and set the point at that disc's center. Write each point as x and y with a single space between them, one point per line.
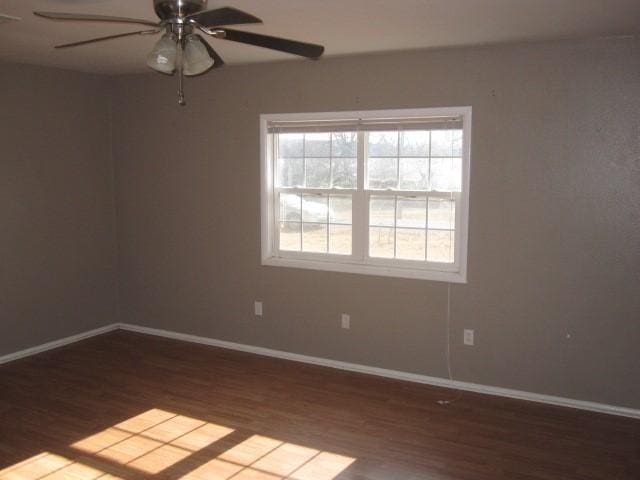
180 50
163 56
196 59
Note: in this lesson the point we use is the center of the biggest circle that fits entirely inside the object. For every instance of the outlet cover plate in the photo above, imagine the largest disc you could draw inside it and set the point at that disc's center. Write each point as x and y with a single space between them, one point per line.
468 337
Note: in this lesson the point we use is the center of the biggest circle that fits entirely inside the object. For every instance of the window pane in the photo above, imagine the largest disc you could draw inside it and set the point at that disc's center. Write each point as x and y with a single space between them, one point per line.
290 172
344 172
290 145
314 208
383 144
410 243
344 144
381 211
381 242
456 146
318 172
414 173
411 212
290 236
317 145
290 207
442 143
314 237
340 239
442 213
446 174
440 246
382 173
414 143
340 207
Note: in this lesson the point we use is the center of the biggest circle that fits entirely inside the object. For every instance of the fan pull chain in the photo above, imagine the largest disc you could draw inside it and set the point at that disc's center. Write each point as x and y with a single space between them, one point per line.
181 100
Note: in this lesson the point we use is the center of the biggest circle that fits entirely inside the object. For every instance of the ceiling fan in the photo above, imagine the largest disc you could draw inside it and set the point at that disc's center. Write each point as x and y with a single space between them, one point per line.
183 51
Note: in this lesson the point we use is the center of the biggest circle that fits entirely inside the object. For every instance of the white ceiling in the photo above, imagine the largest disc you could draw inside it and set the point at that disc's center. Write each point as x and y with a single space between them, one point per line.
343 26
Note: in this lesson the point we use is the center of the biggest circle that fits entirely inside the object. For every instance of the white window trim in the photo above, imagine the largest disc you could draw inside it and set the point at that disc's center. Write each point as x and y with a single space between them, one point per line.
351 264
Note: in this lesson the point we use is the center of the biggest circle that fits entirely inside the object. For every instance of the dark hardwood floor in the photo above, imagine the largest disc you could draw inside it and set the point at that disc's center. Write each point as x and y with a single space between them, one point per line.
125 405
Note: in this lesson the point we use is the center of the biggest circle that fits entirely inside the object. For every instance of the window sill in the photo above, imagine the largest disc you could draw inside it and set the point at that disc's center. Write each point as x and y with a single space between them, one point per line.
366 269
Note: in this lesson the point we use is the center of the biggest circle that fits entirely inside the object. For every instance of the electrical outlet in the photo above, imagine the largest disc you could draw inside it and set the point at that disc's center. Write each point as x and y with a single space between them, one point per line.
257 307
468 337
346 321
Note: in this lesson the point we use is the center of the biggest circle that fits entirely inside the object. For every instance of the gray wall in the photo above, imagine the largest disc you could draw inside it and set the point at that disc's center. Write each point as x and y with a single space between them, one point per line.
554 231
57 222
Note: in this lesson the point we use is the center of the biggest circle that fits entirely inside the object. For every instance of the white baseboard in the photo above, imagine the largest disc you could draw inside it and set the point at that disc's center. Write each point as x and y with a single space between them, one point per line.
352 367
395 374
57 343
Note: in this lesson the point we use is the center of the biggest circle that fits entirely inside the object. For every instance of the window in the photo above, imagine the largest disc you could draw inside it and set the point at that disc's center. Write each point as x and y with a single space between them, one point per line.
374 192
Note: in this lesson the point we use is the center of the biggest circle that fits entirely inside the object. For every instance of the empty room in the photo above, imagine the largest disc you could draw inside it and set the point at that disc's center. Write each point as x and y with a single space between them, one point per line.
320 239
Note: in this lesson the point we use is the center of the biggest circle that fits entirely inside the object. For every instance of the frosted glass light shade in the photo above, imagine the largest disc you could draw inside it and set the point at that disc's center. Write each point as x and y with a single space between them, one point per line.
196 59
163 56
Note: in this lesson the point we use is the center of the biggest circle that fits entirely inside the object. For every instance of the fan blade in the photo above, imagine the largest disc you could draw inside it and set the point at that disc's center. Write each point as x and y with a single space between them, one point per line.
110 37
217 59
93 18
222 16
309 50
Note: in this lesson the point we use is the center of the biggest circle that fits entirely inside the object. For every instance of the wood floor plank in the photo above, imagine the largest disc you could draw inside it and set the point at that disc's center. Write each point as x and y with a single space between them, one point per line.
130 406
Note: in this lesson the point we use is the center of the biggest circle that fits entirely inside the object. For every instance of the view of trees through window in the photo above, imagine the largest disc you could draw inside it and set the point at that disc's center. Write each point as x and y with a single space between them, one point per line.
317 160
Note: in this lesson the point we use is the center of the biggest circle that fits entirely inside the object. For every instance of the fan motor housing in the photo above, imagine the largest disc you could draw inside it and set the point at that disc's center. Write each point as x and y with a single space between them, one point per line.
168 9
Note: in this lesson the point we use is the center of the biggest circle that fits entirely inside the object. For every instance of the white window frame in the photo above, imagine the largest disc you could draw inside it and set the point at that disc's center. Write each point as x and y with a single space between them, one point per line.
359 262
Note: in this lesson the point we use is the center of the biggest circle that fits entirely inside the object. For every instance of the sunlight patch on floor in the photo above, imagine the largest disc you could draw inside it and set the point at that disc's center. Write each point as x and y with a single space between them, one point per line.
52 467
283 461
152 441
155 441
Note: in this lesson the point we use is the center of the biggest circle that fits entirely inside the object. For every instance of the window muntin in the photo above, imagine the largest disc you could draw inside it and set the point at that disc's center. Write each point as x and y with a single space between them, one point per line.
351 196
